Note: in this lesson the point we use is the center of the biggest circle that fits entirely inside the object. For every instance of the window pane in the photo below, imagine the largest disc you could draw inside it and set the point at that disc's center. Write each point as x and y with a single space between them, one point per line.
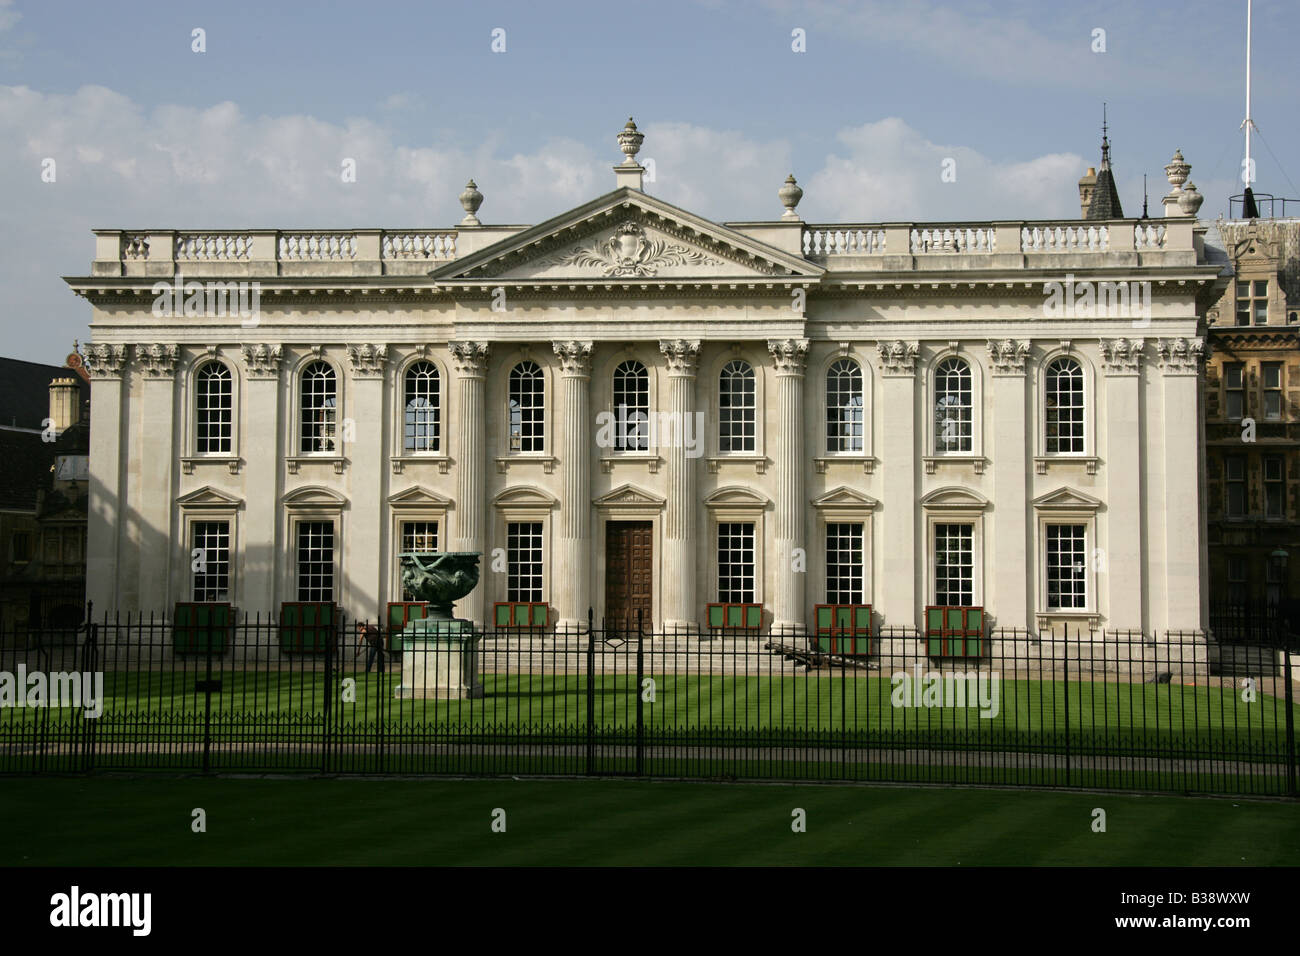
844 563
736 411
736 562
418 536
316 561
954 565
1064 407
631 407
527 408
318 409
210 560
422 427
952 406
1066 567
844 402
1272 374
524 561
212 410
1261 287
1232 375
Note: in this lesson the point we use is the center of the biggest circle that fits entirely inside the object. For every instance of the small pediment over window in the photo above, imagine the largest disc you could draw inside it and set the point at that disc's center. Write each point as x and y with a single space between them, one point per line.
955 498
314 496
733 496
418 496
845 497
525 496
209 497
1066 499
629 496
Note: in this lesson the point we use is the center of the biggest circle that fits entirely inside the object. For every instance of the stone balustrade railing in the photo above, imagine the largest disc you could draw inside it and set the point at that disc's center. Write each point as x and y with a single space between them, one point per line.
1025 238
275 252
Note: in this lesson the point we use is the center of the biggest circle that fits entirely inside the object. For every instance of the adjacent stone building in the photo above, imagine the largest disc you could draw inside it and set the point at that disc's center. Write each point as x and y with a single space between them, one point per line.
632 408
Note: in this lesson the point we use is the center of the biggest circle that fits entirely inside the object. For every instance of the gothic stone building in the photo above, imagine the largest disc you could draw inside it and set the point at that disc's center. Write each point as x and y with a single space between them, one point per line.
888 414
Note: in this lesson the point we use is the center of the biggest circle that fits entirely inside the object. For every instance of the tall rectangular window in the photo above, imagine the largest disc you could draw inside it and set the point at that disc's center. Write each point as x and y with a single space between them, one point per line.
1234 469
1274 487
315 561
210 560
418 536
844 563
1270 375
1237 591
736 562
524 561
1234 392
1252 302
1067 567
954 565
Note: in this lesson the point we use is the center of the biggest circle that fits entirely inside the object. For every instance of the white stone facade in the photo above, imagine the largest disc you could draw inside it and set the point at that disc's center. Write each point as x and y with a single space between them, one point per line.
630 278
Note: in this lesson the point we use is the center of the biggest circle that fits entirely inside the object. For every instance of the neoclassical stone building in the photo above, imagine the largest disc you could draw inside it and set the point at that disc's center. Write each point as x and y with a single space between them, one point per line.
630 407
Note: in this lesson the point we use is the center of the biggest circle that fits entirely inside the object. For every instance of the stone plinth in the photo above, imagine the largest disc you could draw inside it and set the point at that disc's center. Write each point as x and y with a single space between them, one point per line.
440 659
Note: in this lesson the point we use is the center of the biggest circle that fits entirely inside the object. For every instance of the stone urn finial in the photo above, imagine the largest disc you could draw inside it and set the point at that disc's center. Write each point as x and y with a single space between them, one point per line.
790 195
439 578
629 141
1189 201
470 200
1177 170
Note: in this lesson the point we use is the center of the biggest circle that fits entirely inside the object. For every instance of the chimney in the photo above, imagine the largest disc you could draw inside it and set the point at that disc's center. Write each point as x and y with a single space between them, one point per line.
65 404
1087 183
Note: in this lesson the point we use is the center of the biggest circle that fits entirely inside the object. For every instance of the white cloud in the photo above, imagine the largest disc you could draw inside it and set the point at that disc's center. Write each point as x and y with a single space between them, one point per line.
119 165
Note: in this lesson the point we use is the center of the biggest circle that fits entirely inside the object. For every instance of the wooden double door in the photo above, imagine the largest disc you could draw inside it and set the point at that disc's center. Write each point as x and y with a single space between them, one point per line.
629 573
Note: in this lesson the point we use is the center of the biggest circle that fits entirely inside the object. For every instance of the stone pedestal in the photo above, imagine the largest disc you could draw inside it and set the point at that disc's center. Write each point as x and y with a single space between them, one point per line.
440 660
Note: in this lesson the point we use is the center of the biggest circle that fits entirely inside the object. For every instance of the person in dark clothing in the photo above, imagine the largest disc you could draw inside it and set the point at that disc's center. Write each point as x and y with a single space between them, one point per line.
372 639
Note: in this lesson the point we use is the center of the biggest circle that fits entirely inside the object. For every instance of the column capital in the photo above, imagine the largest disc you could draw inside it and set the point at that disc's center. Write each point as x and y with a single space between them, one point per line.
898 357
261 360
1180 356
470 358
158 361
575 358
1122 356
1008 356
105 361
790 355
683 355
368 361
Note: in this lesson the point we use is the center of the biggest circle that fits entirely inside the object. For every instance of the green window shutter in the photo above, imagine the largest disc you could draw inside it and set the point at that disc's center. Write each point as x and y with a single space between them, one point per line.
936 646
825 616
541 612
862 620
735 615
934 621
975 621
754 615
397 615
501 615
717 615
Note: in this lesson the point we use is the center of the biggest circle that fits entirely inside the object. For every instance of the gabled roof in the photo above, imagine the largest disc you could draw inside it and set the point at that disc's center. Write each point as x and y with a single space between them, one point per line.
626 235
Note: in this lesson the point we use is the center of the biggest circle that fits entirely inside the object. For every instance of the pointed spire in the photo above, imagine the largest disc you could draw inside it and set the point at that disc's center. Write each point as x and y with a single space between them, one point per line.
1104 203
1105 142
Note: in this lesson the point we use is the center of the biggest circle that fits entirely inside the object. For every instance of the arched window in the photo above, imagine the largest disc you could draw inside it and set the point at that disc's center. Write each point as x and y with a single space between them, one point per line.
527 408
422 429
319 401
631 407
213 408
736 398
844 406
952 406
1064 407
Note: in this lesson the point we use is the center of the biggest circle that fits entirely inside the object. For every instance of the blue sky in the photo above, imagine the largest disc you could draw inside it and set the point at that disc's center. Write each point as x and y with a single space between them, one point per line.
146 132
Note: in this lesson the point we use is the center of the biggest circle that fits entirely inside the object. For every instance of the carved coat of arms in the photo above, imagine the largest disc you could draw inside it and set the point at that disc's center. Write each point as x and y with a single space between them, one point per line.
630 252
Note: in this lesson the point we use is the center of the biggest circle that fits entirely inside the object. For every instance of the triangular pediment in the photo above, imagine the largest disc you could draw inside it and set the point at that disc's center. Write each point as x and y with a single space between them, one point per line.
314 496
209 497
1066 499
630 496
954 497
525 496
734 495
625 236
845 497
418 496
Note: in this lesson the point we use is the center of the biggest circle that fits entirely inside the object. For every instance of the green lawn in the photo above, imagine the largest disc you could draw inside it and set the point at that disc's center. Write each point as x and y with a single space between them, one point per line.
91 821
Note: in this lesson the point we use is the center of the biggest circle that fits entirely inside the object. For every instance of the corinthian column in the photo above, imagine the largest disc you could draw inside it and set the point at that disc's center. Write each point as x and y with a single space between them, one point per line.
572 594
789 576
470 359
680 612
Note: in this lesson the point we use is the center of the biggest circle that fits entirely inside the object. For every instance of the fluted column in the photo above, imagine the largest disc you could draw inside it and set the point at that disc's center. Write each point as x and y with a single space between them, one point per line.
680 611
104 525
470 359
1122 582
571 589
788 610
157 363
903 569
1007 588
263 475
365 561
1182 368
